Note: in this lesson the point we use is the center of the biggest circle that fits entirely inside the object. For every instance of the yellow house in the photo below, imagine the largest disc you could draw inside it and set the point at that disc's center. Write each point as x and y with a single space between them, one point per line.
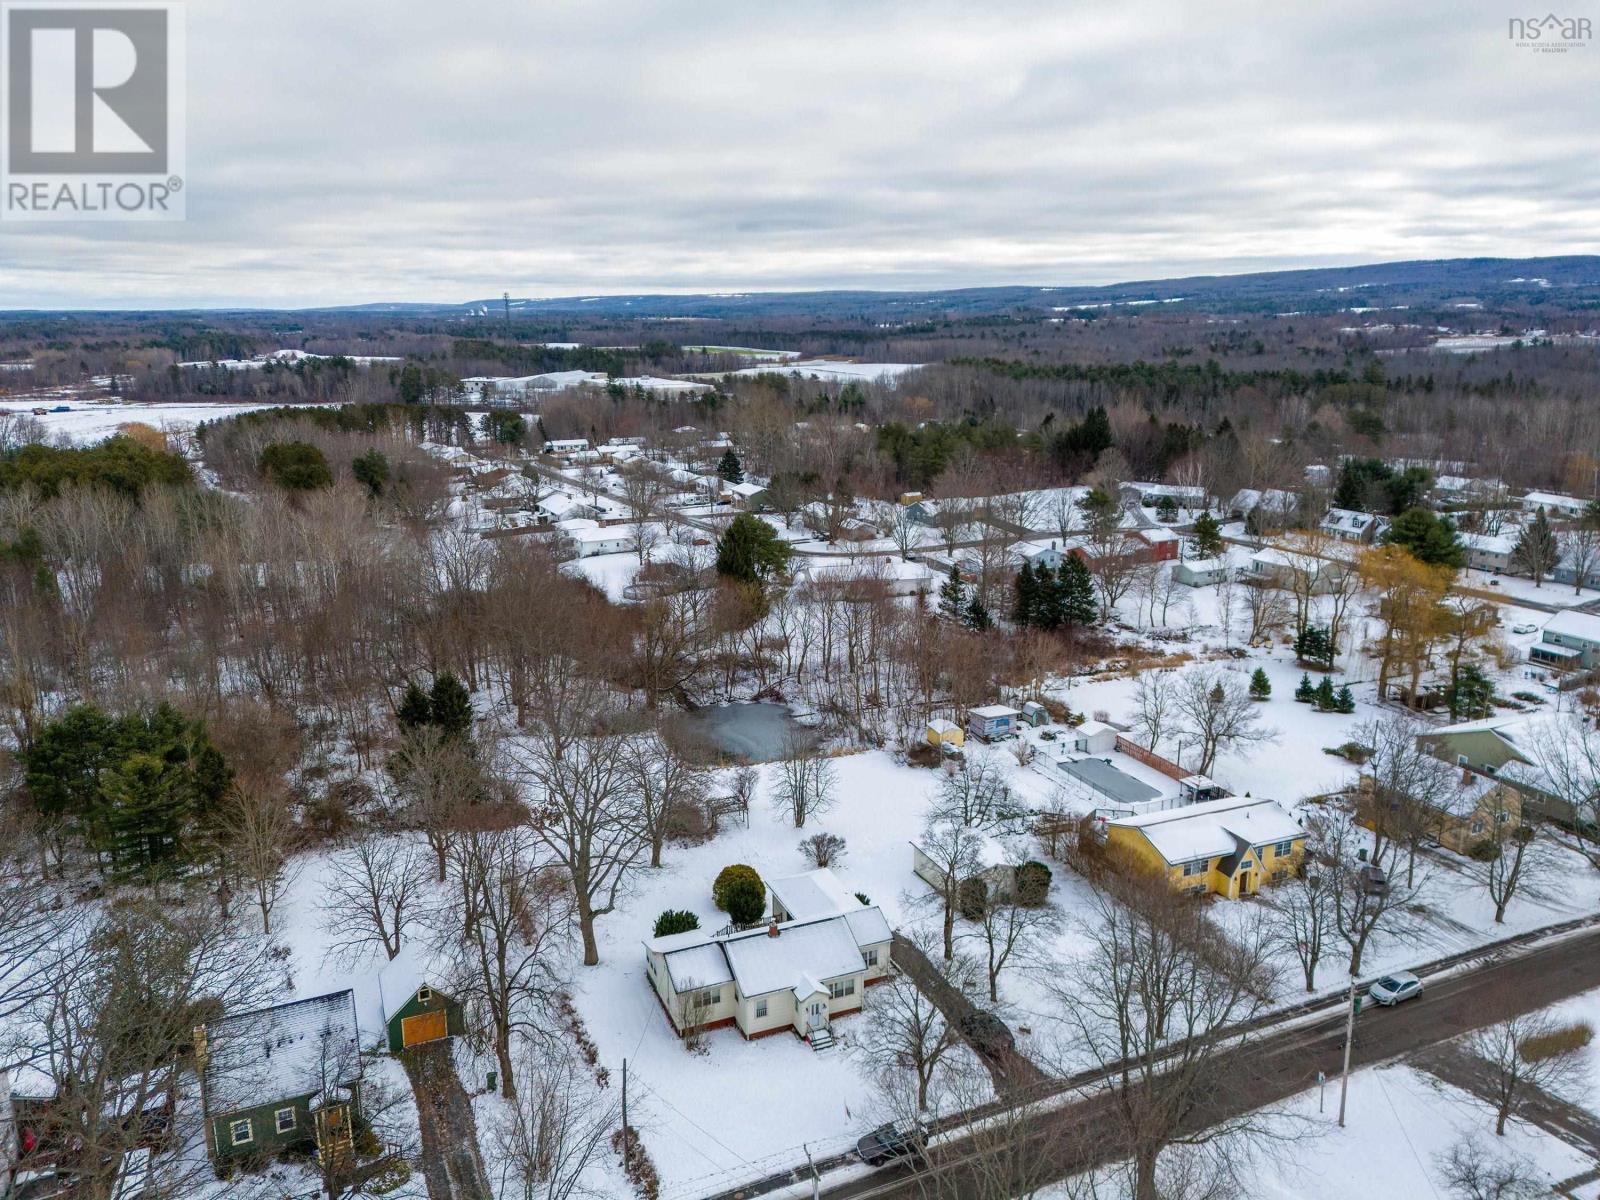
945 733
1230 846
1480 809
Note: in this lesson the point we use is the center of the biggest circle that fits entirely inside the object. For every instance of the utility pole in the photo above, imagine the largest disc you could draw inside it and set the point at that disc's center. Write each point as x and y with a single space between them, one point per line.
1349 1036
626 1137
816 1180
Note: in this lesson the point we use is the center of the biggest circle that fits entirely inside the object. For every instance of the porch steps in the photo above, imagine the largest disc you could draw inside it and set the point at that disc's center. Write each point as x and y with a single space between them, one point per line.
821 1040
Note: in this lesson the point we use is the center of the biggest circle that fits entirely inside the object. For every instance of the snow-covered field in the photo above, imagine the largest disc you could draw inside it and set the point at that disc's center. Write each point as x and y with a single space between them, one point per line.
830 368
90 421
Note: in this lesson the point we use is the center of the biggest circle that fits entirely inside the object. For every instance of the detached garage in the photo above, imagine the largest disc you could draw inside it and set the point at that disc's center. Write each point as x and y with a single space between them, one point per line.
415 1009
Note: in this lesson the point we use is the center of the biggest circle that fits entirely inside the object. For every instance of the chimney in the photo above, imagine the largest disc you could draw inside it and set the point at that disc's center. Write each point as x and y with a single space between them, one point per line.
1466 776
772 927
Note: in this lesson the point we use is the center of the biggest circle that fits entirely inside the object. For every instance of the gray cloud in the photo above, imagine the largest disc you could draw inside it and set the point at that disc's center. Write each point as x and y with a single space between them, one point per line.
408 149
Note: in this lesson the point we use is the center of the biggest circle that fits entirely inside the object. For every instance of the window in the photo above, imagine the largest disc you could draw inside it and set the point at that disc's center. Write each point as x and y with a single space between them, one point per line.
1198 867
708 997
872 957
1461 760
1477 827
761 1009
1282 849
285 1119
424 995
239 1132
840 988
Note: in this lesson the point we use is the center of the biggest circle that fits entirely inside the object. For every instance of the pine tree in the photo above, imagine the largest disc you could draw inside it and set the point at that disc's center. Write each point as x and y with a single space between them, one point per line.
1537 552
1025 607
1167 509
1207 535
1326 701
145 806
953 596
415 710
1078 604
1260 685
1346 700
977 616
450 707
1304 692
729 467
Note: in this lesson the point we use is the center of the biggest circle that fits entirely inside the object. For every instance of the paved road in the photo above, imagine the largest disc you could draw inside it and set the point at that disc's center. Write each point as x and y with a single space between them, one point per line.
450 1160
1078 1136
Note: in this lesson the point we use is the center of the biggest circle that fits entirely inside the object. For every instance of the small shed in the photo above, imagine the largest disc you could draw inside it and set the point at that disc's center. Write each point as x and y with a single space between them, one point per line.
1200 572
415 1009
945 733
991 721
1034 713
1096 737
1197 789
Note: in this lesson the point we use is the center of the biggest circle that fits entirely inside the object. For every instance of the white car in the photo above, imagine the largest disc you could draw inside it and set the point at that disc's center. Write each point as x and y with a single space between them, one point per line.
1392 989
1524 627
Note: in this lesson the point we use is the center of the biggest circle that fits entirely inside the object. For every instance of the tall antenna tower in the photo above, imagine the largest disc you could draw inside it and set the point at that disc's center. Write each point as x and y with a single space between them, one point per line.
505 298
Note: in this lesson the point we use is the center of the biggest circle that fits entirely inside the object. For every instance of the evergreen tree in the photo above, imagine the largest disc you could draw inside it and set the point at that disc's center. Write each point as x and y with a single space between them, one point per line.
1345 702
415 709
1167 509
145 806
1260 685
1304 692
977 616
1537 551
1025 607
1078 604
450 707
1312 645
1429 537
1207 535
751 551
953 596
1326 700
1470 696
729 467
371 470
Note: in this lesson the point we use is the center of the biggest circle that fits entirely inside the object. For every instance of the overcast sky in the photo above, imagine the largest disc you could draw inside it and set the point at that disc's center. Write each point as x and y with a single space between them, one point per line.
344 151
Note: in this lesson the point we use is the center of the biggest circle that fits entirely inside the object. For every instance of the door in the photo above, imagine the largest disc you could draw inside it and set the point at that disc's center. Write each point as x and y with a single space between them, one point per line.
818 1013
424 1027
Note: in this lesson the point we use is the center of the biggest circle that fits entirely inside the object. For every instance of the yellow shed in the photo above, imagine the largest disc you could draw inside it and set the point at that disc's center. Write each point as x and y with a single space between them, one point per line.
945 733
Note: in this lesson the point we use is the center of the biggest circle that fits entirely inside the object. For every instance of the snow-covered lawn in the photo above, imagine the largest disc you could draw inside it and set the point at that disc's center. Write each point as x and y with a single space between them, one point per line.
90 421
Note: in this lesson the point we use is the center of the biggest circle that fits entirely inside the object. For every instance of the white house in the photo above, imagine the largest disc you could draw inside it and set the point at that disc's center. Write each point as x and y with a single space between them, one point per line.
1555 504
1151 494
566 445
1350 526
1489 551
587 543
1200 572
795 975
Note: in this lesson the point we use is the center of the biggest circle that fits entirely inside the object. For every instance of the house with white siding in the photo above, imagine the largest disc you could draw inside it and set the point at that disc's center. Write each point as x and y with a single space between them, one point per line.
811 964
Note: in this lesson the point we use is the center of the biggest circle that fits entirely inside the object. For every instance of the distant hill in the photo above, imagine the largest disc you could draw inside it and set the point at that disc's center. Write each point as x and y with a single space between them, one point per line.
1569 282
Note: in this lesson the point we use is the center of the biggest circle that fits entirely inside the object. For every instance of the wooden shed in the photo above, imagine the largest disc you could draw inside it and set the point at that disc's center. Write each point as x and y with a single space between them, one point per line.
415 1008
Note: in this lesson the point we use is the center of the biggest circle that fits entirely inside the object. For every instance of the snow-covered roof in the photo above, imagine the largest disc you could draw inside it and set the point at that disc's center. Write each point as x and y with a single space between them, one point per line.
814 894
598 535
1091 727
990 712
1203 565
1213 828
282 1052
870 926
1569 623
940 725
1489 543
746 489
403 974
1553 500
698 966
1346 518
817 950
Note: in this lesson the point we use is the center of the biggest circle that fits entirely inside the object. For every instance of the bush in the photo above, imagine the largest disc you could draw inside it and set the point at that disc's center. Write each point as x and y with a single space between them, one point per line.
823 849
676 920
728 877
973 897
864 898
1566 1039
1486 850
1033 883
747 900
296 466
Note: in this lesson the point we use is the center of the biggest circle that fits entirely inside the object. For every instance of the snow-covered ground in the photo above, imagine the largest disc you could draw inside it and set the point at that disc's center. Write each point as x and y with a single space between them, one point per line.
91 421
830 368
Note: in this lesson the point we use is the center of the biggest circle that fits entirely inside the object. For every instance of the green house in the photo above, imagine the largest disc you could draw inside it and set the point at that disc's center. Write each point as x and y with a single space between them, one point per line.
282 1077
415 1008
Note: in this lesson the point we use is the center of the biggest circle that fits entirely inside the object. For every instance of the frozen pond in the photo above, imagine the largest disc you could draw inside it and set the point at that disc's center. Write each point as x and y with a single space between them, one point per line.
755 732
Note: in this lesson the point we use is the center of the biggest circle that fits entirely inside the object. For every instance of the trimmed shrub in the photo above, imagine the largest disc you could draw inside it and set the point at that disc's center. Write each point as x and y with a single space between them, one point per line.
973 897
1033 883
747 900
726 879
676 920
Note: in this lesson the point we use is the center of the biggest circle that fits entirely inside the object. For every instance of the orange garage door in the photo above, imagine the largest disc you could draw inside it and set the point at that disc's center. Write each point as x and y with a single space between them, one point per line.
425 1027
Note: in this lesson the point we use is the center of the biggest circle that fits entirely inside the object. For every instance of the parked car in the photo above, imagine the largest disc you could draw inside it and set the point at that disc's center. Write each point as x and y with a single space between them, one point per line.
1392 989
1524 627
1373 880
987 1033
889 1142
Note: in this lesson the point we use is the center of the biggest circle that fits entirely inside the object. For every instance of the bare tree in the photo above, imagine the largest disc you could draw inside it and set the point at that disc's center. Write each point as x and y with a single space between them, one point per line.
1266 609
1566 764
508 939
1580 549
437 779
806 780
977 794
953 852
1155 706
823 849
1007 932
908 1043
668 787
1153 1002
1214 710
1514 858
1529 1053
370 897
554 1130
1473 1172
1409 792
1302 919
904 530
260 831
1362 907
